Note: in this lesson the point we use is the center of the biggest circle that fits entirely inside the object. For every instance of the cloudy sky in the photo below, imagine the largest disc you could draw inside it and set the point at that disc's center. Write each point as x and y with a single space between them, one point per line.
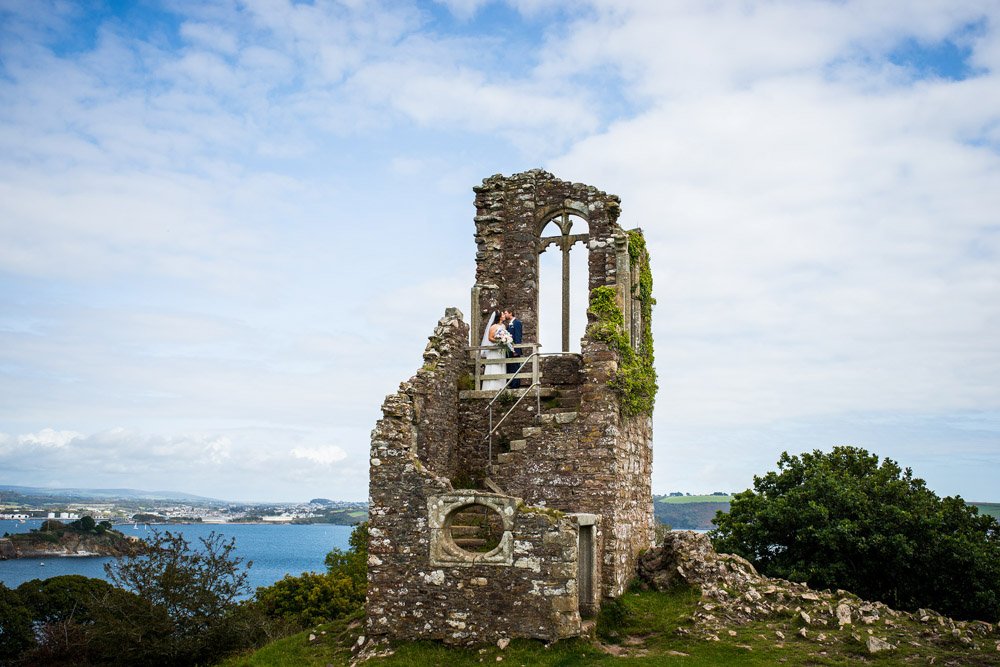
227 228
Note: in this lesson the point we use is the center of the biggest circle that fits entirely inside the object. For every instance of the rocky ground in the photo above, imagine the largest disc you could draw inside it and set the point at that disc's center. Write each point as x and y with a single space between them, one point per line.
734 595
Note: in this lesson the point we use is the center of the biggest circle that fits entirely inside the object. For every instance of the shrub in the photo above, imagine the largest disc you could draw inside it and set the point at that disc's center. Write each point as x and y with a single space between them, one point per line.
843 520
15 625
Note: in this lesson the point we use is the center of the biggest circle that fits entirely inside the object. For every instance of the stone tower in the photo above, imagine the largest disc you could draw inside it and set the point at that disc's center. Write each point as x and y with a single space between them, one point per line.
513 513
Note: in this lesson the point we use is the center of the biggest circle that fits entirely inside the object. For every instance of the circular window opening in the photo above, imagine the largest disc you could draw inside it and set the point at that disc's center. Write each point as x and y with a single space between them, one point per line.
475 528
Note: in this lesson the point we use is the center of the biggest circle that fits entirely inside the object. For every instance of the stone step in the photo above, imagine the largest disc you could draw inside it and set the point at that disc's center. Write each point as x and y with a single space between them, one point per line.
561 409
469 543
531 431
471 516
518 445
459 530
506 457
563 401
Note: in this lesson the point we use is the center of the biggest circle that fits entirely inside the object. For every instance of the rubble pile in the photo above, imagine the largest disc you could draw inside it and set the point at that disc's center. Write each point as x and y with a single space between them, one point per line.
734 594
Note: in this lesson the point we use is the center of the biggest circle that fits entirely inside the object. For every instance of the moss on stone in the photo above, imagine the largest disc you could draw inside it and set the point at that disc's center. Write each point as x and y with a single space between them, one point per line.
553 514
635 380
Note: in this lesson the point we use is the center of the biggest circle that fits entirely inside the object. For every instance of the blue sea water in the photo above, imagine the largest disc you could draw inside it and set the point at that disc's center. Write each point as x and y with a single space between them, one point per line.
276 550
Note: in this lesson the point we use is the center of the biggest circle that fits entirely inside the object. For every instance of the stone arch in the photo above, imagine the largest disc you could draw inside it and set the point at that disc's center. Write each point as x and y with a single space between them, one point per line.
564 218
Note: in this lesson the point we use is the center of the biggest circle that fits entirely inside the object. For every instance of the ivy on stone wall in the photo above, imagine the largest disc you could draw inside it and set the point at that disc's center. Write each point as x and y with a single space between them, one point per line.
636 378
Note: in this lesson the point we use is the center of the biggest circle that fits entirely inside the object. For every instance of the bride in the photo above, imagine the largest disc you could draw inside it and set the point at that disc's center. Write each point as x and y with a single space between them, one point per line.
490 338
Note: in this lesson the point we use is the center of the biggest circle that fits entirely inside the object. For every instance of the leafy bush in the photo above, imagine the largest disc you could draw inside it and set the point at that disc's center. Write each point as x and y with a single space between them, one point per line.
184 608
61 598
15 625
842 520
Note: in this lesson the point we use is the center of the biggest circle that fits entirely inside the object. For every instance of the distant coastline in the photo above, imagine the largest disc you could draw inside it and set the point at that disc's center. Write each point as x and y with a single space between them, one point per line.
54 539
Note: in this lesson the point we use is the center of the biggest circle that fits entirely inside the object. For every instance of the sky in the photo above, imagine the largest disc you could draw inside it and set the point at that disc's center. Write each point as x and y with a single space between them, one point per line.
228 228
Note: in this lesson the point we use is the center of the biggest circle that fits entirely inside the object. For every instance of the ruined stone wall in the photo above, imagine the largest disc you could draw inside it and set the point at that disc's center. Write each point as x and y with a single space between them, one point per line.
576 461
562 372
434 390
474 425
633 514
420 585
510 213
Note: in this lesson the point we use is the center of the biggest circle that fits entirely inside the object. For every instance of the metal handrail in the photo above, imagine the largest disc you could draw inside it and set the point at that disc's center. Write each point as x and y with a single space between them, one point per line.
535 384
480 363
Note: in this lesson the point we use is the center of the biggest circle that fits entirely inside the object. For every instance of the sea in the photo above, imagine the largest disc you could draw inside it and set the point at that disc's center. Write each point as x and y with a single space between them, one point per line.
275 549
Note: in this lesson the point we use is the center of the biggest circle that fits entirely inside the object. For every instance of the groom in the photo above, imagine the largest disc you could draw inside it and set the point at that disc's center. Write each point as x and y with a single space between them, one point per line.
514 327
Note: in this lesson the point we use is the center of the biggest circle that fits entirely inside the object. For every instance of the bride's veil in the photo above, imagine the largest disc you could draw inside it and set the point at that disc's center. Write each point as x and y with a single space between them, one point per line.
486 332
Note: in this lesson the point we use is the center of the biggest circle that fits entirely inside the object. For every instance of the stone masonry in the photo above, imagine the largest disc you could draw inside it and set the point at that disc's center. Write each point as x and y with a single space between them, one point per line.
478 537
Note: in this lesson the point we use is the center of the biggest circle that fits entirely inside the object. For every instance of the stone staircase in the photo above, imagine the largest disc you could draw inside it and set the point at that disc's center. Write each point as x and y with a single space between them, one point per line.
563 409
476 530
566 400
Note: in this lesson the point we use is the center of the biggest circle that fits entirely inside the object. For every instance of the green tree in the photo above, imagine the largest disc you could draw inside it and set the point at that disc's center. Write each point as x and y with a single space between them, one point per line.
843 520
195 586
65 597
352 563
185 601
16 633
87 523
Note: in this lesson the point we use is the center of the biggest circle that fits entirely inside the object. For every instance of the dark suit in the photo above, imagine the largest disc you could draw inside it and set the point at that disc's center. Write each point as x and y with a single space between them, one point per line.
514 327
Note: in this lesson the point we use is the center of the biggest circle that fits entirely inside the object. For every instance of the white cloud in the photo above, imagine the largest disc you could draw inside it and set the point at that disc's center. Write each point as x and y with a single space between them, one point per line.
225 239
327 455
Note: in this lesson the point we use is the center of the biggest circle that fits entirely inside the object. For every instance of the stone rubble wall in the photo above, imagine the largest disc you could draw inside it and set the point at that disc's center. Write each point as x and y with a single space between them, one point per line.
411 597
434 393
562 371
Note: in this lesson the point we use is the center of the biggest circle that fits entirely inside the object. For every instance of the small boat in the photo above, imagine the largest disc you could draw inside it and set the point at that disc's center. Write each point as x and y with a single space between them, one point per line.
40 564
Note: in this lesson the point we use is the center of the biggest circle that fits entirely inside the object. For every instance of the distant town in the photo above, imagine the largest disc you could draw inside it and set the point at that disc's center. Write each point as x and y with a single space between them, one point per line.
120 506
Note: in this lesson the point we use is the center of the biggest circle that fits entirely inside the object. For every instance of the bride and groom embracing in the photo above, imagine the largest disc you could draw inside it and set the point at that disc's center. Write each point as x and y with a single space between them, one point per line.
504 334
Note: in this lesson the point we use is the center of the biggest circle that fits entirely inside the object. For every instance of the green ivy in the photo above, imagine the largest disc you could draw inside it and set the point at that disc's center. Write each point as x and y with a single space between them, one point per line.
635 381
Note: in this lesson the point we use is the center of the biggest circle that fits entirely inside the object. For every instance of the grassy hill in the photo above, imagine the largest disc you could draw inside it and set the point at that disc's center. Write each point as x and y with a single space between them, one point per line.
684 500
689 512
654 630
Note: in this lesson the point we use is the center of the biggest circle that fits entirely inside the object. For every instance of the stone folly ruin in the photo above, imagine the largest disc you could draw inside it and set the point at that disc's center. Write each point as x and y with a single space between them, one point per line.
513 513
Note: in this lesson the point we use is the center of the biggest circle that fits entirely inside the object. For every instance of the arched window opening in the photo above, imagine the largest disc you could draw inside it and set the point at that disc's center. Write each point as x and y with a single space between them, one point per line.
564 275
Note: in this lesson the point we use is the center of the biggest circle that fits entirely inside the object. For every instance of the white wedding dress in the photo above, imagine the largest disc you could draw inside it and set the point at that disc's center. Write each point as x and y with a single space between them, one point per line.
492 353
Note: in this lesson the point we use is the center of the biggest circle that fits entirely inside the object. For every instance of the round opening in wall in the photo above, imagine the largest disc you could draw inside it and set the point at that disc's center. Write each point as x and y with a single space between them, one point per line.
476 529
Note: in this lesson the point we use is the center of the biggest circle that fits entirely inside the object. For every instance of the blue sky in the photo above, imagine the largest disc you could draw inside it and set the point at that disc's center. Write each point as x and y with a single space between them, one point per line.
229 227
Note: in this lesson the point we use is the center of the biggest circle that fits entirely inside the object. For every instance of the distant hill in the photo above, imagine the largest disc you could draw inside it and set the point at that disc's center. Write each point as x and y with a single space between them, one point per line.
689 512
697 512
682 500
90 494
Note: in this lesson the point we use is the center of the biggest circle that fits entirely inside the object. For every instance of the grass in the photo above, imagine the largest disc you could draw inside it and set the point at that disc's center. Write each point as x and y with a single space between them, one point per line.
651 631
679 500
